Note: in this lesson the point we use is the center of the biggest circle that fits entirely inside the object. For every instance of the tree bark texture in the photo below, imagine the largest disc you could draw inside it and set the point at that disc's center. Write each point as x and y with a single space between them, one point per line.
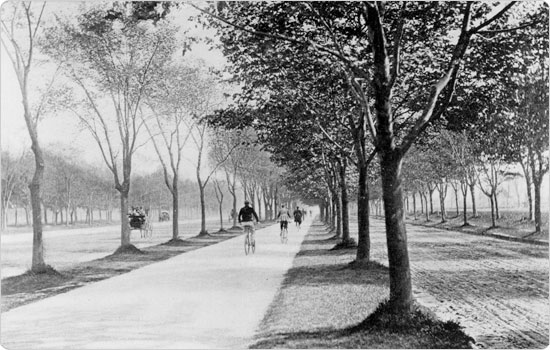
345 203
203 208
493 219
527 176
464 189
414 204
473 195
396 234
175 209
363 234
124 226
338 204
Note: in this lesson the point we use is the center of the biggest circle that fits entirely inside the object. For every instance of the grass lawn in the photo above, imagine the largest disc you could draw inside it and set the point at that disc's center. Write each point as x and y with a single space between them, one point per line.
325 302
29 287
510 223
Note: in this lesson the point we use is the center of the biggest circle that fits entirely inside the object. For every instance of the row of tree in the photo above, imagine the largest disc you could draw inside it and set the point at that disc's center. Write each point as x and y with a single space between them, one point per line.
337 92
71 189
119 72
341 92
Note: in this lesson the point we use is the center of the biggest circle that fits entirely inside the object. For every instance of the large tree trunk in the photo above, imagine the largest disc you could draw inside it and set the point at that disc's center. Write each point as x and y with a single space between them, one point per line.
363 234
427 211
327 212
442 196
4 216
175 209
464 189
497 212
473 195
333 213
431 192
220 208
414 205
345 203
493 219
527 176
203 208
124 226
538 176
455 189
401 298
338 211
538 214
258 195
38 263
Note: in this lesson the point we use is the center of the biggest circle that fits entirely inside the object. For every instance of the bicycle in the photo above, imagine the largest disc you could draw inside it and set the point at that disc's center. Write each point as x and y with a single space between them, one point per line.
249 241
284 235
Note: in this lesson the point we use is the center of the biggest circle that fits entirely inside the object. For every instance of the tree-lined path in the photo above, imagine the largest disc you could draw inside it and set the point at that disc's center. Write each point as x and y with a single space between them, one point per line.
208 298
497 290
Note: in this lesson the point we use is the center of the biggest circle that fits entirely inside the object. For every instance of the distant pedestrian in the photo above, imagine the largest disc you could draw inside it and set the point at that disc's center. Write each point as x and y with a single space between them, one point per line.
298 217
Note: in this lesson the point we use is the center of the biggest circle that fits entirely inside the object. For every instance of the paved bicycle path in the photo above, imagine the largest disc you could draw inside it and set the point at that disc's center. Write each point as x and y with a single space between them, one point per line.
213 297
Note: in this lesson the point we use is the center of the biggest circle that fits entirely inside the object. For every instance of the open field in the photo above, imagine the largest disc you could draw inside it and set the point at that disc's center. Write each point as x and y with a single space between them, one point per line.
64 248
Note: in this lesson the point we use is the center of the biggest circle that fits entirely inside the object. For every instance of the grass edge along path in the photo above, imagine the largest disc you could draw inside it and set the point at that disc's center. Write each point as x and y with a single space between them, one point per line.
30 287
324 302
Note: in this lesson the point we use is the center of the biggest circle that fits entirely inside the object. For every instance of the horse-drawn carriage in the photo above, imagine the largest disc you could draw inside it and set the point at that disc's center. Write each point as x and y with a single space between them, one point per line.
138 220
164 216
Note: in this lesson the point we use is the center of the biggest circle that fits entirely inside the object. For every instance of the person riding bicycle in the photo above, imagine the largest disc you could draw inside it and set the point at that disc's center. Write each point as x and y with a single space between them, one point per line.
284 217
247 215
297 216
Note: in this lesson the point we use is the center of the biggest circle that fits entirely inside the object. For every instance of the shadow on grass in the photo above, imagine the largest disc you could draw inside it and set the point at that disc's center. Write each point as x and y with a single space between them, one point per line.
313 268
328 241
330 274
382 329
326 252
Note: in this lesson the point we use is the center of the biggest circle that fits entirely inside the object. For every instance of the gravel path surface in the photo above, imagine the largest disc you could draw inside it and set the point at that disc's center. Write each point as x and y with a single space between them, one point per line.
498 290
213 297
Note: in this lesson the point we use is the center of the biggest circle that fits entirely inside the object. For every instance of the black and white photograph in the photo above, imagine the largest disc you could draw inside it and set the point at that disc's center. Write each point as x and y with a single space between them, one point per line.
274 174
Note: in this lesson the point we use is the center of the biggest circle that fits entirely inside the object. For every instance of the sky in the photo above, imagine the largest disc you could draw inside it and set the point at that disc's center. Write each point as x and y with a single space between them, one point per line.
62 129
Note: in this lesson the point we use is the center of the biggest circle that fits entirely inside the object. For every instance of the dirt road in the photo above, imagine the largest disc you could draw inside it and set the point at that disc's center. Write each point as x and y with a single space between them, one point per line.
498 290
211 298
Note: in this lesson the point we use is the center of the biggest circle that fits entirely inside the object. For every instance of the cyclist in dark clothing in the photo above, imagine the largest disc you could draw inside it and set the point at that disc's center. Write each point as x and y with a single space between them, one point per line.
247 215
